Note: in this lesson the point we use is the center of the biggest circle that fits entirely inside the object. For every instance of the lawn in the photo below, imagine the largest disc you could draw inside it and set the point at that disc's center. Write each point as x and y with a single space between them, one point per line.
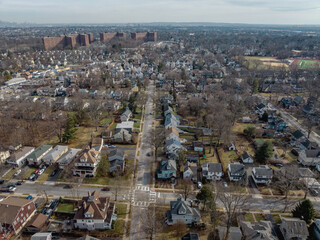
137 125
28 172
227 157
276 218
9 175
118 228
259 217
82 137
209 157
248 217
121 210
65 207
264 190
46 174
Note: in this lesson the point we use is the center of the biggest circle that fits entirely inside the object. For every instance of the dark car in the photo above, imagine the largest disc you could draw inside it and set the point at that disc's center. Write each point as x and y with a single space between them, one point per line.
11 185
19 183
54 204
68 186
54 172
1 181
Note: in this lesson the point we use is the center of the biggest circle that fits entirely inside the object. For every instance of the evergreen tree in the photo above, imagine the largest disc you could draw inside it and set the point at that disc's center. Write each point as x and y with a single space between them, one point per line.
264 152
305 211
7 75
265 117
255 86
70 130
205 195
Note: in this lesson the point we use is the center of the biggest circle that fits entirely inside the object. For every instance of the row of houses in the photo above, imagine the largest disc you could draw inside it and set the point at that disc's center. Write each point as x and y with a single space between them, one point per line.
290 228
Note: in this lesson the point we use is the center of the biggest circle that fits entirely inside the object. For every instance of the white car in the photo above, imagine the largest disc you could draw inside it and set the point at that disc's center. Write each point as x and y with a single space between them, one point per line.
31 177
12 189
17 172
41 171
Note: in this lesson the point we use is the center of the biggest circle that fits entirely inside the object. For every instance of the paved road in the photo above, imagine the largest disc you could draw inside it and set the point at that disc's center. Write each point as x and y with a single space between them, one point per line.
142 196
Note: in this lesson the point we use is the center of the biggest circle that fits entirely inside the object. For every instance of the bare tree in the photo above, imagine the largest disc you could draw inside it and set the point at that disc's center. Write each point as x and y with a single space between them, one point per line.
187 188
151 222
286 179
180 228
233 201
157 140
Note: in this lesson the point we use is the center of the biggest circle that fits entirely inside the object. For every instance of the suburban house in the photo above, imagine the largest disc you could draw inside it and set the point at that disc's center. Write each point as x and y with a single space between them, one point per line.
41 236
197 146
36 156
231 147
97 144
126 125
68 157
121 135
262 174
37 222
4 154
316 229
54 154
212 171
172 133
126 115
234 233
305 173
172 148
15 213
297 138
116 158
311 183
181 211
190 171
86 163
191 236
258 230
192 157
167 169
309 157
294 228
261 108
236 171
18 158
95 212
246 158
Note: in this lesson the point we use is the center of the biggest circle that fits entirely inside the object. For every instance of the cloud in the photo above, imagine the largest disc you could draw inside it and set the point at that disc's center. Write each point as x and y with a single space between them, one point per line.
278 5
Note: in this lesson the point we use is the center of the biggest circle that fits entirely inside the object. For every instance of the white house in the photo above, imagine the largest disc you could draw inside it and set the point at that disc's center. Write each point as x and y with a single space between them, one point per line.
246 158
236 171
262 174
212 171
95 213
18 158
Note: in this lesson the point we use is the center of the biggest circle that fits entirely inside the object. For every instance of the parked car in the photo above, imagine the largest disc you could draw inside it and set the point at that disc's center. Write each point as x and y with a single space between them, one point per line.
225 184
68 186
199 185
17 172
49 212
54 204
106 189
32 176
54 172
11 189
37 171
1 181
29 197
11 185
19 183
41 171
49 203
42 166
314 192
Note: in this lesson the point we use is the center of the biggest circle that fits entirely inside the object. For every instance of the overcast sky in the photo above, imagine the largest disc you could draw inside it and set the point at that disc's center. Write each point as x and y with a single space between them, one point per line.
130 11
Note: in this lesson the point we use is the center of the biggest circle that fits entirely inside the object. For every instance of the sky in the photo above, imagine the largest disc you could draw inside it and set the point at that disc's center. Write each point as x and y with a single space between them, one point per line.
135 11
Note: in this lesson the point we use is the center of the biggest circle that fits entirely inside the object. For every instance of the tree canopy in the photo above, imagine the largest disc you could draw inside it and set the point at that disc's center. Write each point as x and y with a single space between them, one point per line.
304 210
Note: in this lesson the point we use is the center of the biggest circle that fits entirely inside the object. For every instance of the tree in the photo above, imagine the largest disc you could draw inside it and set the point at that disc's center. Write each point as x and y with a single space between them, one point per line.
255 86
181 159
250 132
265 117
305 211
264 152
233 201
70 130
157 140
180 228
7 75
187 188
205 195
103 167
151 222
285 180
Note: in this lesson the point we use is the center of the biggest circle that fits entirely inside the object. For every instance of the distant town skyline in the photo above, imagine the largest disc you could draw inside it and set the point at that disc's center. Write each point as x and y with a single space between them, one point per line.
134 11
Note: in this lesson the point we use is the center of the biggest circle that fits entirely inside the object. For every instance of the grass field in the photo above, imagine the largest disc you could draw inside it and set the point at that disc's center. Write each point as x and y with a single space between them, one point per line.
65 207
263 63
308 64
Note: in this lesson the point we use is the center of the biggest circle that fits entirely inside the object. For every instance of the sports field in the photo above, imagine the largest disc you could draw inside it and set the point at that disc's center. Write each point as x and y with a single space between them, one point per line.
306 64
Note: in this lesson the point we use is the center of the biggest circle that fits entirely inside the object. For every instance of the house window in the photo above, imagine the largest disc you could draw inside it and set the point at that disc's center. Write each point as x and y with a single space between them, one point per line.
18 219
29 207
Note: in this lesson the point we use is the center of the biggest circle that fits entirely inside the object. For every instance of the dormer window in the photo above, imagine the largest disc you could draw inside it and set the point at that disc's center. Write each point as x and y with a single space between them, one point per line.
83 160
88 215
